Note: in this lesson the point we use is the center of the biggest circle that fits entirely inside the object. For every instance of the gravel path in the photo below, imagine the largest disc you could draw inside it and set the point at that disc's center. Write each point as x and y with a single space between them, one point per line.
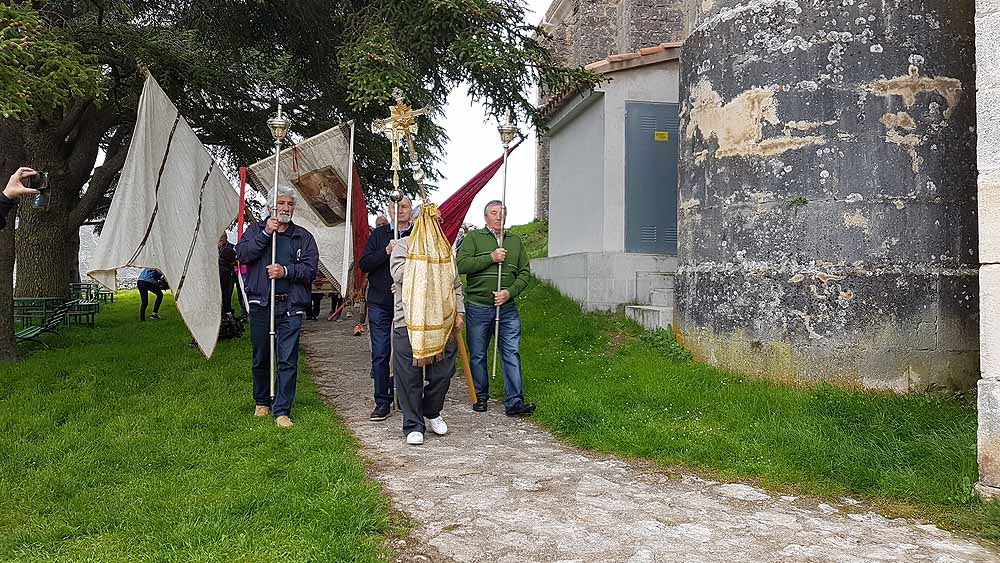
503 490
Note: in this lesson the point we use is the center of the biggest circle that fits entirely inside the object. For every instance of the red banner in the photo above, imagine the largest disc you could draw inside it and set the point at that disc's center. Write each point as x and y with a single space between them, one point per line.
455 208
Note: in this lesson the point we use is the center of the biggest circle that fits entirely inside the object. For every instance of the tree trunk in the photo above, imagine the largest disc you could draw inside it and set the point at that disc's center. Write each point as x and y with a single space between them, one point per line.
10 159
42 245
44 241
73 255
47 242
8 348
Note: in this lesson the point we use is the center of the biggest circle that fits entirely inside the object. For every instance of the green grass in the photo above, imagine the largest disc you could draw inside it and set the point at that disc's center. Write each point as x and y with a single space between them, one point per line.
603 386
124 444
535 237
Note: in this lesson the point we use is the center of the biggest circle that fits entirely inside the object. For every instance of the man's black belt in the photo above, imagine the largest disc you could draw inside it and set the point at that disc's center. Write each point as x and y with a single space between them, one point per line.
280 297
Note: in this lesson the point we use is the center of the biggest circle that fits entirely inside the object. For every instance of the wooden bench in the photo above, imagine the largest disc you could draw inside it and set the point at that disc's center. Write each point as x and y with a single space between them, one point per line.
29 311
87 292
51 325
81 311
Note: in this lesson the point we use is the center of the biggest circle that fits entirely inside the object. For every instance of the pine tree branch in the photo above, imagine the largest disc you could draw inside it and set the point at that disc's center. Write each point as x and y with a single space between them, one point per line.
103 178
72 117
84 143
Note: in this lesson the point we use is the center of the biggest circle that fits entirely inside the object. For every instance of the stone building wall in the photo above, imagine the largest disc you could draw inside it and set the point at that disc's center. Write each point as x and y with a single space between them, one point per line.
583 31
988 105
827 217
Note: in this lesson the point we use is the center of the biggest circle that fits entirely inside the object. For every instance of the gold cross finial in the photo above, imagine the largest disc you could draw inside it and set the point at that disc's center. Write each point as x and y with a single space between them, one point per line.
399 126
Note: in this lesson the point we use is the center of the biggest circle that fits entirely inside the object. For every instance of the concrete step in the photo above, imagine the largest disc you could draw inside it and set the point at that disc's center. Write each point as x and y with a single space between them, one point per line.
650 317
654 288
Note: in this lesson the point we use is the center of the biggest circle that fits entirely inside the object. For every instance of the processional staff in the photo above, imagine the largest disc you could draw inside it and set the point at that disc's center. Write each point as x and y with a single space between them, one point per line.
399 126
508 131
279 129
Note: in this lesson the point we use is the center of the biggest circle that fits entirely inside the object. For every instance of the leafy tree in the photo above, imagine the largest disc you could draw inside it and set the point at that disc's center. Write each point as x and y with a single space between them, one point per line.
70 81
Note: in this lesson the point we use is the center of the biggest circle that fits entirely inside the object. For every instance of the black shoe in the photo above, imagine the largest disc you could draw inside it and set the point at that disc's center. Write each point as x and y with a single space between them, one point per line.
479 406
380 413
520 409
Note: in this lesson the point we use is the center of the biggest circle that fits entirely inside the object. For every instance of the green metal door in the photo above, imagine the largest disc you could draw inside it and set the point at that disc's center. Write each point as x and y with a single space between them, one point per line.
651 152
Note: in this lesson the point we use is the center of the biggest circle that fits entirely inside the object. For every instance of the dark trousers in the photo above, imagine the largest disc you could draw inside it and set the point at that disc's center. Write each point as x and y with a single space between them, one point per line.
239 297
228 282
380 330
417 399
145 288
287 329
480 324
317 303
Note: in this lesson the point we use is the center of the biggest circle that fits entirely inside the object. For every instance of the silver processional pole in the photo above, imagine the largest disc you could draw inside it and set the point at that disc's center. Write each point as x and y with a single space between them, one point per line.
279 128
395 196
508 131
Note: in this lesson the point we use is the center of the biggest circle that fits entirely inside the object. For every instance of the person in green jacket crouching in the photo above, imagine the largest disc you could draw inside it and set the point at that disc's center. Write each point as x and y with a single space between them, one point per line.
478 258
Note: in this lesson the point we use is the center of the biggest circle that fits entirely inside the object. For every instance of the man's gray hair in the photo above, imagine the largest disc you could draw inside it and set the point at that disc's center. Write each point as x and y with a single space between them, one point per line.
284 190
492 203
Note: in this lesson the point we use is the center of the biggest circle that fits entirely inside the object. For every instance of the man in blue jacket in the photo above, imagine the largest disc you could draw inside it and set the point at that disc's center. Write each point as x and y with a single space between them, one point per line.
375 262
294 271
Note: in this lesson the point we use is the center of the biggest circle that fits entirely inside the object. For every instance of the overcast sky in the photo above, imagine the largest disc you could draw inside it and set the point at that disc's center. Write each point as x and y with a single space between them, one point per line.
474 143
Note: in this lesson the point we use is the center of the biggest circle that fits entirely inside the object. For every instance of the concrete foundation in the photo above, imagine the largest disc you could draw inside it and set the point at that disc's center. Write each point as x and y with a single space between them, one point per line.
650 317
606 281
827 217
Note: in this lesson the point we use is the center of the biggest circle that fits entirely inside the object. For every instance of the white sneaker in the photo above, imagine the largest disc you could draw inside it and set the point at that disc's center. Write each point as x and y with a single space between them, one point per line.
438 426
415 438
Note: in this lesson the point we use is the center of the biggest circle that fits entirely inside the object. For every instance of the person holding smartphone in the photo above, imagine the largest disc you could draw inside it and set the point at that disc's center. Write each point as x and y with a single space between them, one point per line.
15 189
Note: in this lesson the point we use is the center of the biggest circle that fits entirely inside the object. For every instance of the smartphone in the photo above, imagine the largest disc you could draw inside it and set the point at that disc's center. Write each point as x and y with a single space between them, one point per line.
39 182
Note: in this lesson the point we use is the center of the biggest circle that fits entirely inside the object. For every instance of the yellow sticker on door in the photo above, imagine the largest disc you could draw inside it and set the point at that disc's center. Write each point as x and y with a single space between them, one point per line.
661 135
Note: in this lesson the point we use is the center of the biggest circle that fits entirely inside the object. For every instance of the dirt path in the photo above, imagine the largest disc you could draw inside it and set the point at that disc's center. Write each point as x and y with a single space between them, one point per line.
503 490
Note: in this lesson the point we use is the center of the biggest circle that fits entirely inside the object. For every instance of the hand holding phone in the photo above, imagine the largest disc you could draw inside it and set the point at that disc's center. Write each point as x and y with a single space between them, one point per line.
16 184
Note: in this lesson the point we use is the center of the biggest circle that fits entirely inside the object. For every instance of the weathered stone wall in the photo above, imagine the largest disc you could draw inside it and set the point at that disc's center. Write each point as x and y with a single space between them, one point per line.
690 10
828 192
645 23
988 104
583 31
542 178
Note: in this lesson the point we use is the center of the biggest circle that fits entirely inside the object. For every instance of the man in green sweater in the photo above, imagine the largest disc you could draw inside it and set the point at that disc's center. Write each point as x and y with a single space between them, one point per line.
478 258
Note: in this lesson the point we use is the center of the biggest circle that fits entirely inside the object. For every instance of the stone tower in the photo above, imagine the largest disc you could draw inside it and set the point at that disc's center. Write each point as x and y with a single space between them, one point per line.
827 218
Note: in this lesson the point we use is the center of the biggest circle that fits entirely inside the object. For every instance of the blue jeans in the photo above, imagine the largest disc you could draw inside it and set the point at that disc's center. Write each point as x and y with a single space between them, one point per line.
286 328
479 331
380 328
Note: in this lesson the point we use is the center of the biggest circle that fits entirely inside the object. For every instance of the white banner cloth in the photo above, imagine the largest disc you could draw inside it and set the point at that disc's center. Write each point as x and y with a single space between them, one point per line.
326 151
171 206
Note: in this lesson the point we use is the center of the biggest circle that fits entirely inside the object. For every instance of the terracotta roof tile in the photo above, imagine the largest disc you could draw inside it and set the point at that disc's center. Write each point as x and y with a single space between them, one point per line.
655 54
623 57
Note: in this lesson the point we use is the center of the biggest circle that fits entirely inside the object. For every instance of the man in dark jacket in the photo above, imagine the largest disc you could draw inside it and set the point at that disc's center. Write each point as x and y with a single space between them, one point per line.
227 273
375 262
15 189
294 271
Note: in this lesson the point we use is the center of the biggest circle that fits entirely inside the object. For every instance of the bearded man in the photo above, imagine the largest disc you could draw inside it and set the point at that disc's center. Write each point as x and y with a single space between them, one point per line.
293 271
